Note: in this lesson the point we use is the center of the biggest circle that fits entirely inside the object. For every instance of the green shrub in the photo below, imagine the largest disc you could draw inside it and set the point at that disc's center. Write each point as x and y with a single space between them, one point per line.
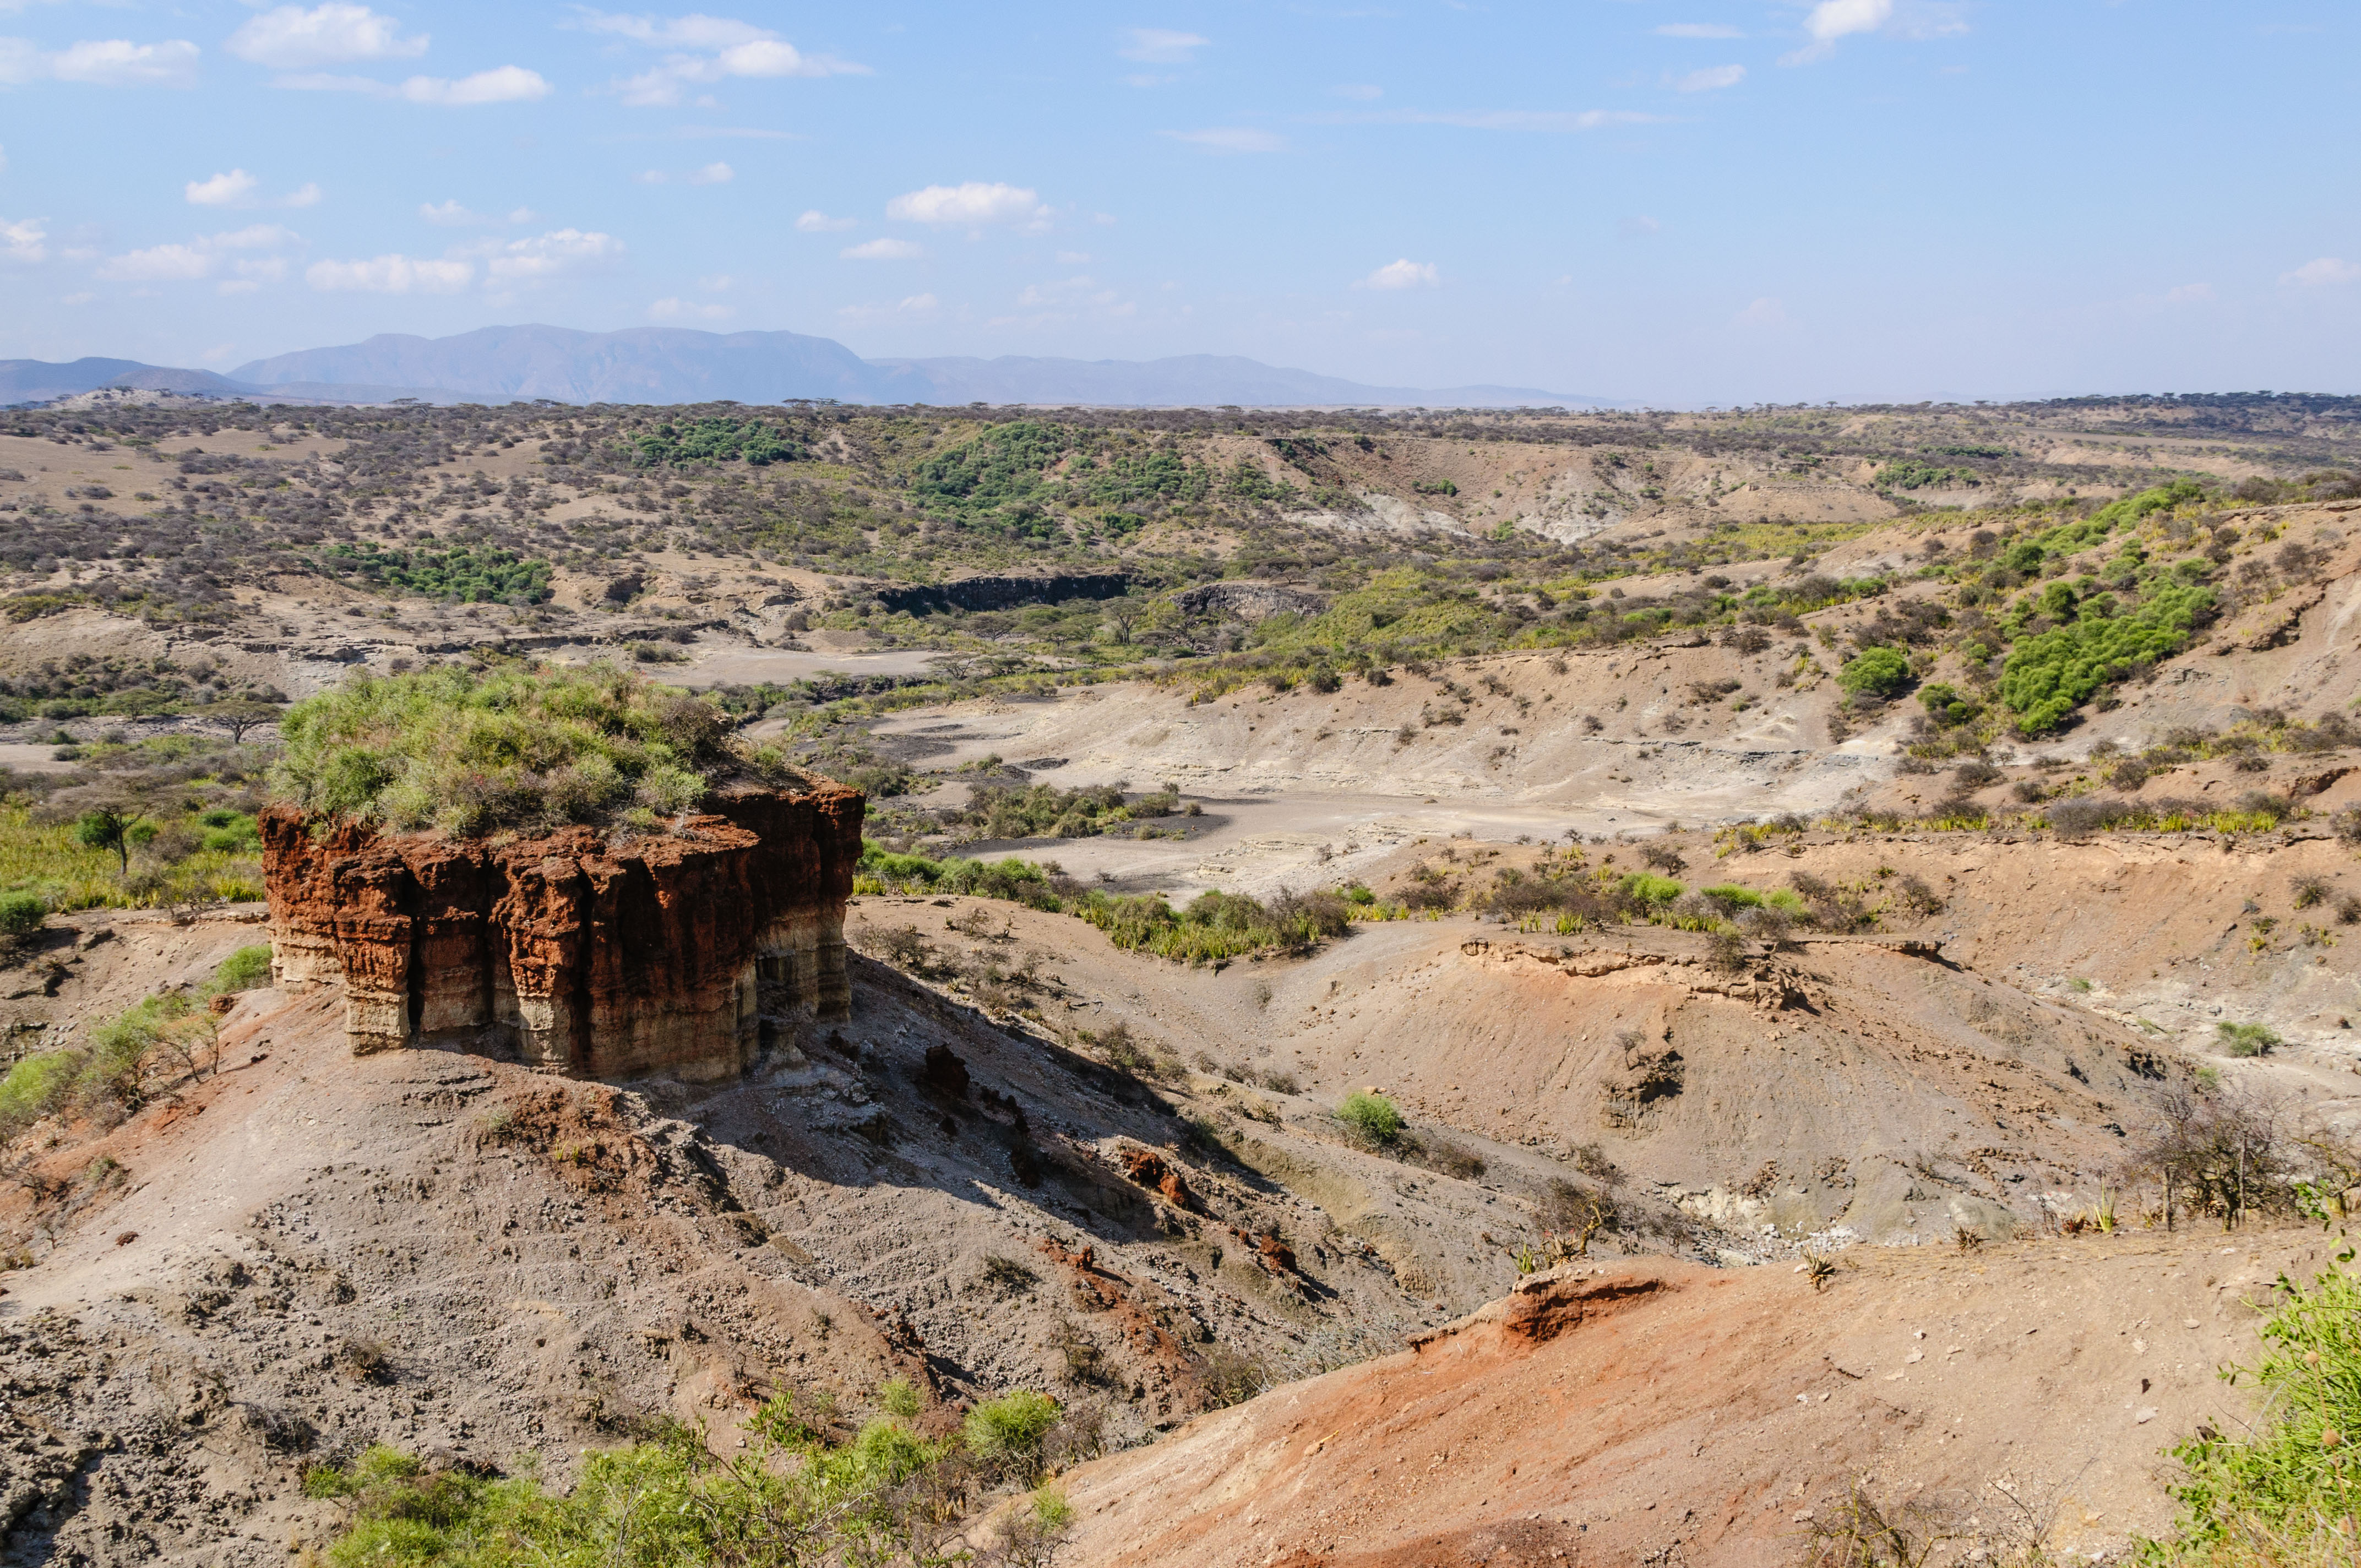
1878 672
1731 896
515 745
35 1087
2049 676
21 914
1008 1430
1372 1116
1651 888
2248 1039
244 970
899 1397
2281 1491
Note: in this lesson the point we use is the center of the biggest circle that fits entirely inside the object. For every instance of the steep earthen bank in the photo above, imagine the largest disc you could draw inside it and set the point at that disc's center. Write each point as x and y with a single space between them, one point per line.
593 957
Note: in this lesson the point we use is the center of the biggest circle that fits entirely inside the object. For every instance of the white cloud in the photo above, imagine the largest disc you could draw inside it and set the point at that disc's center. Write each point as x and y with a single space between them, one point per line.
1161 46
108 63
1711 79
449 214
2189 294
546 255
198 259
1231 138
974 202
236 188
24 239
814 220
230 190
1641 225
724 48
713 174
675 308
158 264
502 84
694 31
1833 19
291 38
1071 292
252 275
913 306
390 274
2325 271
1698 30
1763 313
882 250
1495 119
1403 274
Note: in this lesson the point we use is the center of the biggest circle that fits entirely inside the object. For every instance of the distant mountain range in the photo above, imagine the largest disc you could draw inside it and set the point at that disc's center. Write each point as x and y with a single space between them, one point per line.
671 364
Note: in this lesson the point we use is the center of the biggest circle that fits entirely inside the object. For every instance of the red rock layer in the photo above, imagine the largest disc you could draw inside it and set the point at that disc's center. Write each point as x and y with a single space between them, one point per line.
598 960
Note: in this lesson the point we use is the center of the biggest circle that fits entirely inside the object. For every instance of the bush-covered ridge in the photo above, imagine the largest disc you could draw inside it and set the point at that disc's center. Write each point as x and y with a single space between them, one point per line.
511 746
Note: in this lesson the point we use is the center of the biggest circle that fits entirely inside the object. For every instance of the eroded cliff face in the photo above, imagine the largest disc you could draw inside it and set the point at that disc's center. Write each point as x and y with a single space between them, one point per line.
586 956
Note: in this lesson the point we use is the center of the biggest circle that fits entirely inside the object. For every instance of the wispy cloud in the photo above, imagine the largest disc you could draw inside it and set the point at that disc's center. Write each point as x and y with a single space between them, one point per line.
200 257
1161 46
705 50
502 84
1763 315
2324 273
2188 294
915 305
24 239
711 174
675 308
546 255
1544 120
814 220
973 205
293 38
1713 78
1231 138
236 188
882 250
1833 19
1403 274
393 274
101 62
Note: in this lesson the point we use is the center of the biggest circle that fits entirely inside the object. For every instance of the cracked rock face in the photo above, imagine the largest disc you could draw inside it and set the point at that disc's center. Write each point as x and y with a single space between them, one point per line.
584 955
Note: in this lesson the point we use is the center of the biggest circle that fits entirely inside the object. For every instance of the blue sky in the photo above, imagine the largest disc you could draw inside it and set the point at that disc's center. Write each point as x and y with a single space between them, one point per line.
1656 200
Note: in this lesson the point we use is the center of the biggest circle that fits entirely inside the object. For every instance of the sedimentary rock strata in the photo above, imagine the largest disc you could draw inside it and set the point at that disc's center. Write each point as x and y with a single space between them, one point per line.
589 955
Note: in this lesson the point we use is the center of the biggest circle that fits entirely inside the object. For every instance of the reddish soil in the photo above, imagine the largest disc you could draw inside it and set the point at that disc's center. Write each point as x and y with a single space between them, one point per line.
1656 1412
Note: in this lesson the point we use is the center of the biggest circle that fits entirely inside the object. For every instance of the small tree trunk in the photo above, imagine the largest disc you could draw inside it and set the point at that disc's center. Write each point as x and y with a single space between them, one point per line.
2168 1198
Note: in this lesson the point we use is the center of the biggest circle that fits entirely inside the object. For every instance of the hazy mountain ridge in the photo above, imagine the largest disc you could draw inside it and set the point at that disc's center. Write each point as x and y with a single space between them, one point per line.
674 365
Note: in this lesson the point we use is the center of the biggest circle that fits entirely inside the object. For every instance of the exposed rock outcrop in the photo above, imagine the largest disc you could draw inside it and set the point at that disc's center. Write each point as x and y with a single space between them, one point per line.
1002 593
585 956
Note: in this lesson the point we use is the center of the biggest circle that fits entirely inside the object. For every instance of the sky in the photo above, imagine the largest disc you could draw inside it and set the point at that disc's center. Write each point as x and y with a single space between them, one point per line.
1680 203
